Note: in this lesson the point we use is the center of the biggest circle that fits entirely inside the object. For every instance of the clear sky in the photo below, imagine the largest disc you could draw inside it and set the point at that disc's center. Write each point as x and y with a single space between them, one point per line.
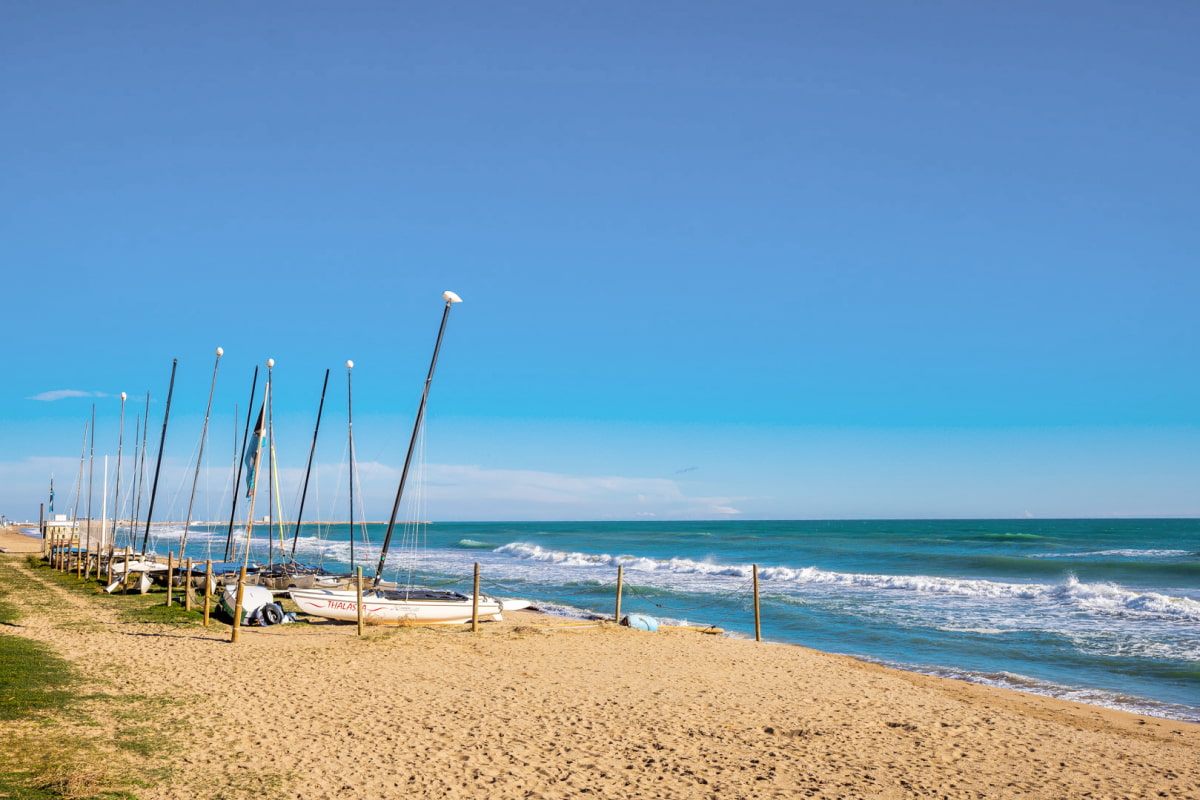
718 260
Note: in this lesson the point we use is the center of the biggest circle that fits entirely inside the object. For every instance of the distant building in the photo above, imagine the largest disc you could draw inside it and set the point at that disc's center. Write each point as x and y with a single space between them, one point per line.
61 526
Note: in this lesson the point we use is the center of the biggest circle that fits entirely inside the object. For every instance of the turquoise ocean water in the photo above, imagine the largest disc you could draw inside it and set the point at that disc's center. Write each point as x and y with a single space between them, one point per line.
1097 611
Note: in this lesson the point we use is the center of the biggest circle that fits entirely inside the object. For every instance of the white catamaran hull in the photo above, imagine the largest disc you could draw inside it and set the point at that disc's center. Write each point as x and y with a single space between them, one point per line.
378 609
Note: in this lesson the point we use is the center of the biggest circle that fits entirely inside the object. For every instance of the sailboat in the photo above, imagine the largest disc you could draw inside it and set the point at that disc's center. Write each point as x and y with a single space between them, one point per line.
403 606
290 573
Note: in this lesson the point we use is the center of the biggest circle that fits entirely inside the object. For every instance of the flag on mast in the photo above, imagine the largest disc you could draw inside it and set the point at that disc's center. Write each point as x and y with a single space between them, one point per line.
52 494
255 448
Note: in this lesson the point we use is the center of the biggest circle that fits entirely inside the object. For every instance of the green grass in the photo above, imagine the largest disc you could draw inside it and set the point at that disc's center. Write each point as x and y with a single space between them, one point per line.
149 608
32 678
46 752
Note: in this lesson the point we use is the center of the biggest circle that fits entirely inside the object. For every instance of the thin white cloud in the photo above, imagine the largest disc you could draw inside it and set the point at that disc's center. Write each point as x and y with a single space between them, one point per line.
529 494
447 492
63 394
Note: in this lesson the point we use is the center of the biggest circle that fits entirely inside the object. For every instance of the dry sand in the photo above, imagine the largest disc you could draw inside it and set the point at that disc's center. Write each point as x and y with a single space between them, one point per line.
530 708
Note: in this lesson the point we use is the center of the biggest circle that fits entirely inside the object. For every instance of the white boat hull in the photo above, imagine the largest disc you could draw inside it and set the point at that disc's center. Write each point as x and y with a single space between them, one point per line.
253 599
392 608
137 565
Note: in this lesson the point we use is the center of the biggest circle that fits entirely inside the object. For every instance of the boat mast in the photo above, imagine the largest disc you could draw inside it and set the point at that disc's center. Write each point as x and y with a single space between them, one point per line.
307 472
270 468
117 488
162 442
103 509
91 469
451 298
79 481
200 455
350 428
140 461
252 490
237 481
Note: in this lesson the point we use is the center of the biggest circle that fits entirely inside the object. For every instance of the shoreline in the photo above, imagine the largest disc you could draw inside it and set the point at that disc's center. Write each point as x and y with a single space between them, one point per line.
531 707
1100 698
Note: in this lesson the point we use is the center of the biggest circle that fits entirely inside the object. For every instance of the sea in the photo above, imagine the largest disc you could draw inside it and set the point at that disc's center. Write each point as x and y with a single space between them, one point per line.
1100 611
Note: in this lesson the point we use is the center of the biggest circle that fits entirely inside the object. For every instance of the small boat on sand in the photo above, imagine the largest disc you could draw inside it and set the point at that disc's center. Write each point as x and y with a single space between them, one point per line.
400 606
403 605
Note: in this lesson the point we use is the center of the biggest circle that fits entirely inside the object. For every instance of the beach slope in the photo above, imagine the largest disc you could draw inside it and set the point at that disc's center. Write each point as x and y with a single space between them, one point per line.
535 708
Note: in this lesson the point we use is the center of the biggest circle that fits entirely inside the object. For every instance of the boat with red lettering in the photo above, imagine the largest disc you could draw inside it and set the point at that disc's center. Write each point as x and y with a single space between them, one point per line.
404 605
400 606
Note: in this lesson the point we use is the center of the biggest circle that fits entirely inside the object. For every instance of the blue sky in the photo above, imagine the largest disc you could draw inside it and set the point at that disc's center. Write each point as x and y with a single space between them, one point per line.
768 260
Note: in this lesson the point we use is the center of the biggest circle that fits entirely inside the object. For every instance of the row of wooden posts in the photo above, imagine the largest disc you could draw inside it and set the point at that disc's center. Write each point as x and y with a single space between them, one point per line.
83 573
58 551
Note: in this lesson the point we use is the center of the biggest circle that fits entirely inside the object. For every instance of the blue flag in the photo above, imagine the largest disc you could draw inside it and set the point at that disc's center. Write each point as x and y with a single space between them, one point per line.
252 451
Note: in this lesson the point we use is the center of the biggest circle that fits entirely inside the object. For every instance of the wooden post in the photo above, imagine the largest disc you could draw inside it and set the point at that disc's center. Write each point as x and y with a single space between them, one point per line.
170 577
362 616
187 586
79 551
207 590
757 615
620 579
108 566
475 602
237 608
42 525
125 580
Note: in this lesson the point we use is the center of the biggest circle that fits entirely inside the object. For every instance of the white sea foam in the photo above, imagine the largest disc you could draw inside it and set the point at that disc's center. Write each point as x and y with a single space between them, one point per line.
1099 598
1130 554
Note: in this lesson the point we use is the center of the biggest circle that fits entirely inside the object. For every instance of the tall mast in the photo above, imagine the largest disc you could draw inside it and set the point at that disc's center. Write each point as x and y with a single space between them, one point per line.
162 442
451 298
117 489
140 461
79 480
255 476
308 471
91 467
237 481
104 509
350 434
270 465
200 455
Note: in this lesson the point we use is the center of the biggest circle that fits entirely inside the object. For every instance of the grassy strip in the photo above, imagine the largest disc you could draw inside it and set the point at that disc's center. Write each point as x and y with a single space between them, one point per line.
48 752
150 607
32 678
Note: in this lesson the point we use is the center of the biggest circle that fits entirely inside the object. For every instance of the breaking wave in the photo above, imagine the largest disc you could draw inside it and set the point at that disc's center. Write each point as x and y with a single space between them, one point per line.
1099 598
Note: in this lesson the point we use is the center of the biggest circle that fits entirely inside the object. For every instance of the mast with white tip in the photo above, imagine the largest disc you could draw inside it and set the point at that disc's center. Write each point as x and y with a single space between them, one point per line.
241 460
162 443
117 489
308 471
187 523
451 298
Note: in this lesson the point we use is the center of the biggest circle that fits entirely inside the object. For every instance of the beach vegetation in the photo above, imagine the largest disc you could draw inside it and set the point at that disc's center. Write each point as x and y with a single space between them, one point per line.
134 607
55 747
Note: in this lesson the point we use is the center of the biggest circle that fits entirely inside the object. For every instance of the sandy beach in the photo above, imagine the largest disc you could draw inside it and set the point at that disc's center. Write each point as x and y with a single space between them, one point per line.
535 707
